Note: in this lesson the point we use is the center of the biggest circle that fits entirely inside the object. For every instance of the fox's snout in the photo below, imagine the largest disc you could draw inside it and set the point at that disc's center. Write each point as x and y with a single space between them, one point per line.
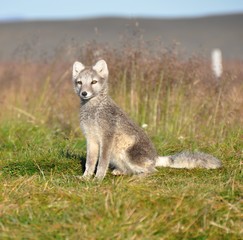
84 93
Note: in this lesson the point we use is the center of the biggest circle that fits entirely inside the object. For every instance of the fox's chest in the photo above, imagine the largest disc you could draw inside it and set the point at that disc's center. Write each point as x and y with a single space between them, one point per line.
98 120
89 123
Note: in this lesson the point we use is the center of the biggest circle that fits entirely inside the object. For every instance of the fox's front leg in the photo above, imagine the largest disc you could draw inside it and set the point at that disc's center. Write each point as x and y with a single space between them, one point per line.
92 157
104 158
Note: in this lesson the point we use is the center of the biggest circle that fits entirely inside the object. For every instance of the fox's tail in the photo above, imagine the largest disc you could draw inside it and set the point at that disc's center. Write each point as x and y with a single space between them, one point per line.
189 160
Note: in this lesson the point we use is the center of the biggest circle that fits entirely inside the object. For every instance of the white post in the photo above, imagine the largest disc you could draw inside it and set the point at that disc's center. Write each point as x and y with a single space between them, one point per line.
216 63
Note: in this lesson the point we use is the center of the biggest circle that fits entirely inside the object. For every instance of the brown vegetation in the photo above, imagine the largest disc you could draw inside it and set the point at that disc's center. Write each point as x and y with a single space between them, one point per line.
171 94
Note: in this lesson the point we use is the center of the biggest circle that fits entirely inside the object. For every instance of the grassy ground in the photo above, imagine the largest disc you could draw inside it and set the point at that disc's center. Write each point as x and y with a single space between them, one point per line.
41 198
42 152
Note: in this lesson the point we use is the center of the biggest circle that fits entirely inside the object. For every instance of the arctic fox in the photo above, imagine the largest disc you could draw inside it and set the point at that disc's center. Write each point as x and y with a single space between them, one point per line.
113 139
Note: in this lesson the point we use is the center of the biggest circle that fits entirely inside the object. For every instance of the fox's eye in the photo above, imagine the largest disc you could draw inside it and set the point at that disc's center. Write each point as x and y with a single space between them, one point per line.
94 82
79 82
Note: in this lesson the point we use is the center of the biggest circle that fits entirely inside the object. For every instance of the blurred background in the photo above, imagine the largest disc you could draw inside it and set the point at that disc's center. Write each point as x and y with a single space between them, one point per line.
196 26
175 66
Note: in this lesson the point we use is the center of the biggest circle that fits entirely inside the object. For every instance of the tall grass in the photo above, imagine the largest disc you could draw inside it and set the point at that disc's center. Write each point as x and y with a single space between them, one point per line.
172 95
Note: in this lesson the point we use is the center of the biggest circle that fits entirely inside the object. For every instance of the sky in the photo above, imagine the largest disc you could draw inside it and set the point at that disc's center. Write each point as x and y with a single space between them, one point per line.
75 9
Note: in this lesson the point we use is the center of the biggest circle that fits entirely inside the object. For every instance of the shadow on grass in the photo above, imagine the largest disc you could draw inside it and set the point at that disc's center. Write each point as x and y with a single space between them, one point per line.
73 156
67 163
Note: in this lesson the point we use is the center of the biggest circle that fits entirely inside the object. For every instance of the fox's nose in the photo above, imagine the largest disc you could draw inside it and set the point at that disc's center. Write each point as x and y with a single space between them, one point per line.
84 94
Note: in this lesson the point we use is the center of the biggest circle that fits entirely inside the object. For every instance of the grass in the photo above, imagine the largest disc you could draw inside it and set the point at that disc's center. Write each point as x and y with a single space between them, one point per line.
42 152
41 197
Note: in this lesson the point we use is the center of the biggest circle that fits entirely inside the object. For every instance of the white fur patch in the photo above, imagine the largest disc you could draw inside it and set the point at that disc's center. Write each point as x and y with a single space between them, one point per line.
77 68
101 68
163 162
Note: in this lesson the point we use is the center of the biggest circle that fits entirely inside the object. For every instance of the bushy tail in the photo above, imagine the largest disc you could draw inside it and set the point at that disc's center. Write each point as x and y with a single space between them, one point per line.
189 160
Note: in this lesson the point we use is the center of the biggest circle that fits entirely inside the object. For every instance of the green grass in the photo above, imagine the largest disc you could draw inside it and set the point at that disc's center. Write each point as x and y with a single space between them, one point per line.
42 198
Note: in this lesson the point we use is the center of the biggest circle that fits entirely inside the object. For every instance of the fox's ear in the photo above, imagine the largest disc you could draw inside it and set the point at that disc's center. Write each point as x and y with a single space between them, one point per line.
101 68
77 68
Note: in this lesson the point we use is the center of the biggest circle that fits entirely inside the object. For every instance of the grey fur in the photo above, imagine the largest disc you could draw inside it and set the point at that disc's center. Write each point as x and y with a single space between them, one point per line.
113 139
194 160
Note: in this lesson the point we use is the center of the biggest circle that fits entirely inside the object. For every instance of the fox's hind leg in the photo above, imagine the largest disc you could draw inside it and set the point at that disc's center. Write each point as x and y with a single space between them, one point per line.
117 172
125 167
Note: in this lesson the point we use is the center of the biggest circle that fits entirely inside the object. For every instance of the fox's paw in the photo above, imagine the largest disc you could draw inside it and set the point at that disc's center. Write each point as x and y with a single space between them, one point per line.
82 178
117 172
85 177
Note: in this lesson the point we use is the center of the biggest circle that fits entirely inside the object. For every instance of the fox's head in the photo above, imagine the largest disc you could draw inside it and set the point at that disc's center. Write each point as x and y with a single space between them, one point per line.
90 81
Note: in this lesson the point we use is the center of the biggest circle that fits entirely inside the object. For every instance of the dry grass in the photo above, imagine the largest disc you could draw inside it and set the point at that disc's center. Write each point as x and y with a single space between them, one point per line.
171 95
